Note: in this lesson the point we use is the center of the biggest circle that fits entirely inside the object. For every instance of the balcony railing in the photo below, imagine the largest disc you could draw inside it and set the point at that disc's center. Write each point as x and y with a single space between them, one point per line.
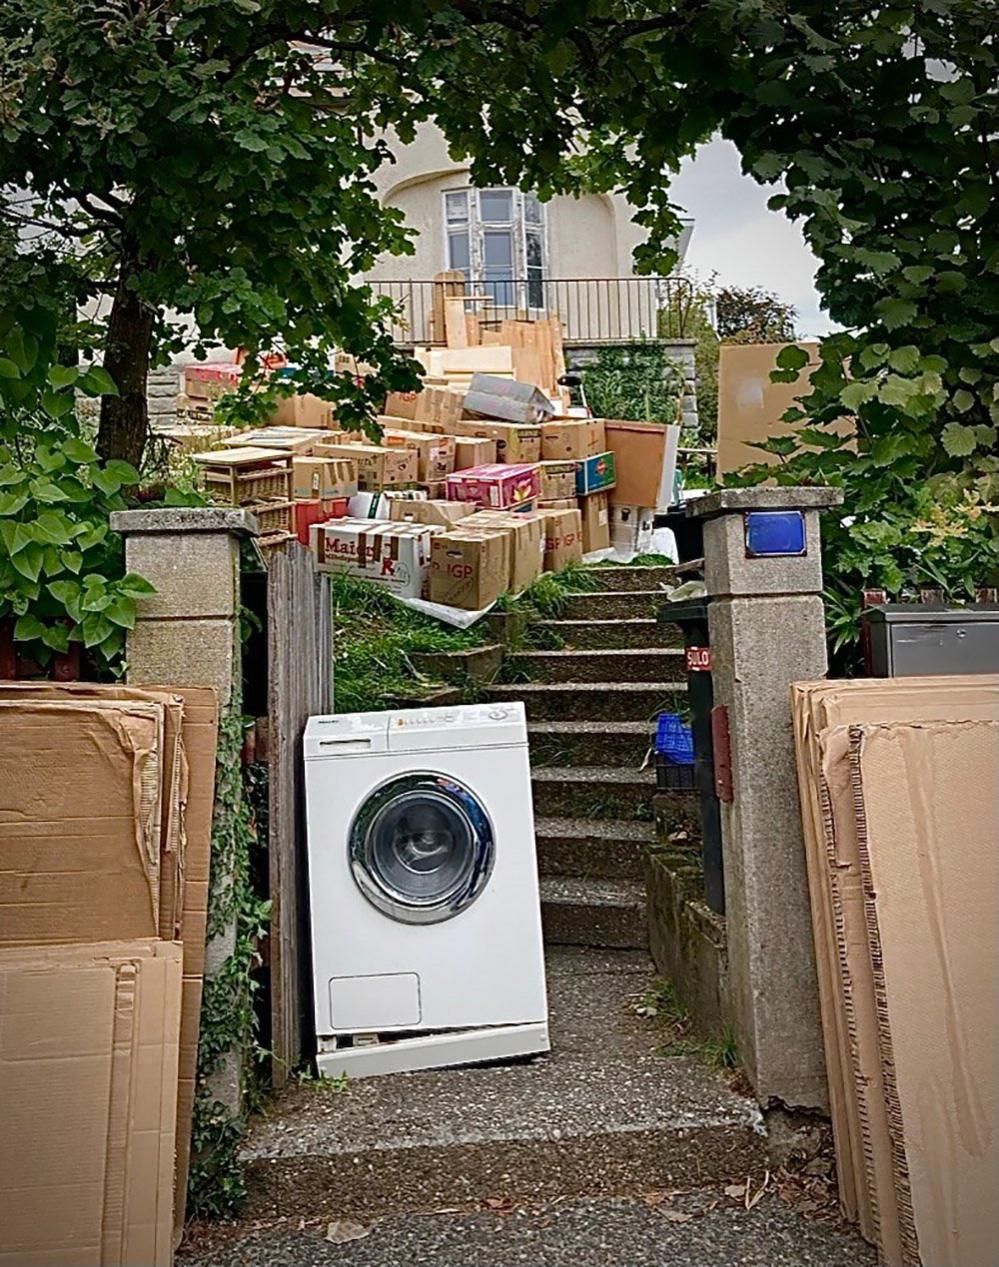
593 310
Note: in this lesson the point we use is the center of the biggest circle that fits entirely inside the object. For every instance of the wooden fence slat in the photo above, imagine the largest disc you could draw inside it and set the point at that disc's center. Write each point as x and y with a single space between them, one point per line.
299 652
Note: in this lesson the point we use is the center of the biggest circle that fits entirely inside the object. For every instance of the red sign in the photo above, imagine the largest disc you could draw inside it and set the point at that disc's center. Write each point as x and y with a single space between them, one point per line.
698 659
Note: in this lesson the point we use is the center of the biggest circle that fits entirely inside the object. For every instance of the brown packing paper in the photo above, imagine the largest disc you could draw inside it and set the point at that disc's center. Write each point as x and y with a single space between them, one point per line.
88 1064
80 820
927 804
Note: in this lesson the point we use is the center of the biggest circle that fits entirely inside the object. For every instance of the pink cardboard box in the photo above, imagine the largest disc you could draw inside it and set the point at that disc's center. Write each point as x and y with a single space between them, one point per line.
498 486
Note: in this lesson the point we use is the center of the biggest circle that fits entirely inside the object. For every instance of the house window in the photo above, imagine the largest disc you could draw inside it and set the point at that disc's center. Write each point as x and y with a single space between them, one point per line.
496 237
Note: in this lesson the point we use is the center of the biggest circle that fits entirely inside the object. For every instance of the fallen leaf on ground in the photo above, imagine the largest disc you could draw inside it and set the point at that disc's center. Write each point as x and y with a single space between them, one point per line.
499 1203
677 1216
752 1200
737 1190
343 1230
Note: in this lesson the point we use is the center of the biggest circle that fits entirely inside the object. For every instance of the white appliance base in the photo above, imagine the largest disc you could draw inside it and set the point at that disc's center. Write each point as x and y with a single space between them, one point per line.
435 1051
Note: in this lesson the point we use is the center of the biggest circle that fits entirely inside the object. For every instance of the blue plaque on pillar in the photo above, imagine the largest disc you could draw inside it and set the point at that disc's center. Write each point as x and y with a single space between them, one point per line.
774 534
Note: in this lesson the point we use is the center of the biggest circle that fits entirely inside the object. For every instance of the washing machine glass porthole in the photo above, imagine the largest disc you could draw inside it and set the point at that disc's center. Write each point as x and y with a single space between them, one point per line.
421 848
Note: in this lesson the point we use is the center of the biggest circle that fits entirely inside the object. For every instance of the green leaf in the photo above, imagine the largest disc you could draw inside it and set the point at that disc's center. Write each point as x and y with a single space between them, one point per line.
28 562
792 357
57 404
888 449
895 313
72 560
62 375
46 491
958 440
11 503
124 472
79 451
904 359
105 480
95 628
962 400
98 382
53 528
27 628
859 393
57 637
121 611
8 369
135 586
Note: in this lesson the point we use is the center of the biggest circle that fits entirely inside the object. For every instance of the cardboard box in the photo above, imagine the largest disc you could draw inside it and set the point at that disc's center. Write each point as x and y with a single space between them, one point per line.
436 404
88 1107
377 467
595 473
515 442
645 460
558 480
323 478
498 487
596 522
435 453
527 542
559 503
490 396
563 538
305 410
441 514
474 451
317 511
436 490
469 569
396 555
631 529
573 439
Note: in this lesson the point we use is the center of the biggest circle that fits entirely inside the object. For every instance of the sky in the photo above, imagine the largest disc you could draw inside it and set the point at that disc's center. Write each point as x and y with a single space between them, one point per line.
739 238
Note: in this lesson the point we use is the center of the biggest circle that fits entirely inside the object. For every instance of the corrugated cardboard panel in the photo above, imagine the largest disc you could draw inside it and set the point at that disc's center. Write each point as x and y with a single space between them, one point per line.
88 1042
927 803
823 712
175 776
56 1049
79 820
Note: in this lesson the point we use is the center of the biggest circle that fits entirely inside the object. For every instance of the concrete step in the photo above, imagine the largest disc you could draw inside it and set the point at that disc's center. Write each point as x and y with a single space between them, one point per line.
592 701
602 849
616 665
564 743
593 792
700 1227
643 631
477 664
603 1114
625 576
609 914
612 605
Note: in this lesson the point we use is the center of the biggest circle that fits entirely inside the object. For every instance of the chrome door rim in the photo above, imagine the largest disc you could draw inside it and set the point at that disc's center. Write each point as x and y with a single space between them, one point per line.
458 799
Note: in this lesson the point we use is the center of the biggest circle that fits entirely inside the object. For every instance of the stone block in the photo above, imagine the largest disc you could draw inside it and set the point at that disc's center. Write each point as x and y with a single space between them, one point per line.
183 653
195 574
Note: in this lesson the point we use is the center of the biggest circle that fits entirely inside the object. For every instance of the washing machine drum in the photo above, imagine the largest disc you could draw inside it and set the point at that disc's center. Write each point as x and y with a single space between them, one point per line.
421 848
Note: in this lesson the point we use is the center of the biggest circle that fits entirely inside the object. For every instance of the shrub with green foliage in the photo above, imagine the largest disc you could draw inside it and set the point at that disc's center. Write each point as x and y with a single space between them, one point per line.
62 577
640 382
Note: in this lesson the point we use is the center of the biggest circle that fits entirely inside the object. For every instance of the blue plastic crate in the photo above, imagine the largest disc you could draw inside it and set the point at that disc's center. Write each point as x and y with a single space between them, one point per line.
674 739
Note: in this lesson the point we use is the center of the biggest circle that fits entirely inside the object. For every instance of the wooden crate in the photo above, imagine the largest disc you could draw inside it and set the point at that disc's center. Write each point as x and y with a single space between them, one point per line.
246 476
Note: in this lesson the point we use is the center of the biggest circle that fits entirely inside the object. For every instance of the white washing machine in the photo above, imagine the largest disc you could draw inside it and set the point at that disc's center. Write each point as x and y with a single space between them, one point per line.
423 879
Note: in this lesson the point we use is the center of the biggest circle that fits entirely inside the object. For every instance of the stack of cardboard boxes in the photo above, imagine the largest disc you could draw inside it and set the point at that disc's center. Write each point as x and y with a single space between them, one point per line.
104 868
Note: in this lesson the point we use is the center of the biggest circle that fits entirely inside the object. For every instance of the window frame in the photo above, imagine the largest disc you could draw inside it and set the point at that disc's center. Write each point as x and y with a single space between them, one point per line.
476 228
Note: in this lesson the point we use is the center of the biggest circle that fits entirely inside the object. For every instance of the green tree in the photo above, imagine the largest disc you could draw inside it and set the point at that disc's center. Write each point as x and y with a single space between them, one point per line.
753 315
201 157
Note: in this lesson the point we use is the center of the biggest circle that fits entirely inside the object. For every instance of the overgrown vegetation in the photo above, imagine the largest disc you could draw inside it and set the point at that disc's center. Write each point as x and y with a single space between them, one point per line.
640 383
662 1004
374 638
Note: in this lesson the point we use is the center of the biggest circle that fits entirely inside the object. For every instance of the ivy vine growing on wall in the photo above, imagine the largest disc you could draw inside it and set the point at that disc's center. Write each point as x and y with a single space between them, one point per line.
62 578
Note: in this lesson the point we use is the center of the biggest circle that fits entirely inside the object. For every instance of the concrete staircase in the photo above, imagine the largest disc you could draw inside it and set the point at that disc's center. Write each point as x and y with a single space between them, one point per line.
602 672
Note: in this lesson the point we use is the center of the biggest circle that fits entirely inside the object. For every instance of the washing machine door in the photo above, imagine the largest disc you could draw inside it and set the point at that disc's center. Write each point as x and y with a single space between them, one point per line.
421 848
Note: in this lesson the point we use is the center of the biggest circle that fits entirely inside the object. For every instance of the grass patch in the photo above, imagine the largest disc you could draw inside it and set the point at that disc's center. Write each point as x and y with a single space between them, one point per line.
662 1005
373 637
547 597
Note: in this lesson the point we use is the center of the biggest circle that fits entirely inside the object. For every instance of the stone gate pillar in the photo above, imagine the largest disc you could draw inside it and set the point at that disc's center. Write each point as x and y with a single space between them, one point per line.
187 634
763 572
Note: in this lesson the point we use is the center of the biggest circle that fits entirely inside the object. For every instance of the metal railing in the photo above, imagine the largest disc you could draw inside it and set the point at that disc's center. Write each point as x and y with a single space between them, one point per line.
593 310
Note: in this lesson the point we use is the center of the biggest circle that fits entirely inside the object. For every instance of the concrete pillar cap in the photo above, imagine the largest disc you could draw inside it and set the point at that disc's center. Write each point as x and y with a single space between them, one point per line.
735 500
172 519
